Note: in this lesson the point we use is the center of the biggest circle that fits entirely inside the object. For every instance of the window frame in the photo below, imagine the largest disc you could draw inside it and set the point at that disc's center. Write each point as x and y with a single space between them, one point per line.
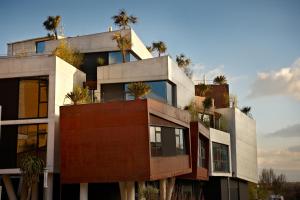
219 163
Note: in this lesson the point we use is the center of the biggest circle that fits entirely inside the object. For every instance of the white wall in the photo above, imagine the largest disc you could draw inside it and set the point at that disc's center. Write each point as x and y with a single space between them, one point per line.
62 77
222 138
244 145
98 42
160 68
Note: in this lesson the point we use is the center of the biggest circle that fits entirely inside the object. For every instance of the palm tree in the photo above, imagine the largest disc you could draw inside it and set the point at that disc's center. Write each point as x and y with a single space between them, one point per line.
220 80
207 104
138 89
31 166
246 110
51 24
183 61
160 47
123 20
202 89
123 43
79 95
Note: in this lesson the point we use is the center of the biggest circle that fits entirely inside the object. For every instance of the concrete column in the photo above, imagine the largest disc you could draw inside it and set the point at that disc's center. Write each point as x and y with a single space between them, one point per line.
9 187
84 191
123 190
48 191
130 190
162 189
170 187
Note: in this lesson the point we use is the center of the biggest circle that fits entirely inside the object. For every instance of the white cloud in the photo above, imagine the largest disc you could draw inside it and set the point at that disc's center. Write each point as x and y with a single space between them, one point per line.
290 131
285 81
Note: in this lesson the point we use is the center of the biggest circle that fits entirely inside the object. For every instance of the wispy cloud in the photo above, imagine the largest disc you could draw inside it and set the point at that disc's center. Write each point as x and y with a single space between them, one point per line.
285 81
200 71
290 131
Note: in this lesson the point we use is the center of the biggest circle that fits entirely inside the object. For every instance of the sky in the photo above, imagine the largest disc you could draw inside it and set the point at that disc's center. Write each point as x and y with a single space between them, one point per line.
255 43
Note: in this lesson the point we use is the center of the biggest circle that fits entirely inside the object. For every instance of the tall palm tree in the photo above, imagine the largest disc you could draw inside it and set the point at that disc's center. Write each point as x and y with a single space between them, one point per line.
51 24
220 80
183 61
139 89
124 44
202 89
160 47
207 104
123 20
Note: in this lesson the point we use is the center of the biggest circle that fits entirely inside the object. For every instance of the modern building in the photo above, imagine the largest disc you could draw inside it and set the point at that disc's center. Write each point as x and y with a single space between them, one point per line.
115 146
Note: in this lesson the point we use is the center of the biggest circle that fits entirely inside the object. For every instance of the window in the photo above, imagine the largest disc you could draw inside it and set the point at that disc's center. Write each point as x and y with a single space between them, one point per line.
202 160
179 136
32 139
33 97
160 90
116 57
40 46
155 140
220 157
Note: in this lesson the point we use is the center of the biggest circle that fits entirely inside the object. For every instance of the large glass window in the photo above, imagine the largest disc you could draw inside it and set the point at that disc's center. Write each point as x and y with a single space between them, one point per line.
160 90
115 57
220 157
40 46
32 139
180 141
155 140
33 97
202 159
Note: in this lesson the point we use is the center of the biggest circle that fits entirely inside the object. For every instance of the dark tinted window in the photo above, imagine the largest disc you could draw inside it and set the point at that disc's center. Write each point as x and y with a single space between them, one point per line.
220 157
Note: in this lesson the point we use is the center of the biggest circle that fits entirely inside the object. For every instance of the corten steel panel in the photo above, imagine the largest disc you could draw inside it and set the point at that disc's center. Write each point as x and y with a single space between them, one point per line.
104 142
220 94
198 173
164 167
109 142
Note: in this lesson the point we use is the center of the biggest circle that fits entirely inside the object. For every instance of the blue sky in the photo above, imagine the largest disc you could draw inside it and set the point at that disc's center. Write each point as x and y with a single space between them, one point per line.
238 38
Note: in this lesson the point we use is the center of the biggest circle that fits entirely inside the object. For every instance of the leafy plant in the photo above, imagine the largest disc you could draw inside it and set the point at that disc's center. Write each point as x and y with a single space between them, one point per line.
148 193
51 24
71 56
31 166
123 43
183 61
123 20
193 110
246 110
207 104
139 89
79 95
220 80
202 89
160 47
100 61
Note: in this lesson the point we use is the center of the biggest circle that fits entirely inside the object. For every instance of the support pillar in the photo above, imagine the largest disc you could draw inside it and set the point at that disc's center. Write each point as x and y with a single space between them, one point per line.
130 190
170 187
84 191
49 189
162 189
123 190
9 187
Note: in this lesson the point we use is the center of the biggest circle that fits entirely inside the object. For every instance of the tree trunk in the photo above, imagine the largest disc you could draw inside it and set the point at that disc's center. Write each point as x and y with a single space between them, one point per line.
123 56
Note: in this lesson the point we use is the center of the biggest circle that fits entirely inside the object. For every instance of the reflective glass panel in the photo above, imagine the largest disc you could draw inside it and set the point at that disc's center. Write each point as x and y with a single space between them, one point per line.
40 47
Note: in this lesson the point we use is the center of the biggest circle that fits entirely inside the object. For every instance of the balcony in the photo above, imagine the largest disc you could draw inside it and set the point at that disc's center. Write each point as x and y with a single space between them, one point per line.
110 142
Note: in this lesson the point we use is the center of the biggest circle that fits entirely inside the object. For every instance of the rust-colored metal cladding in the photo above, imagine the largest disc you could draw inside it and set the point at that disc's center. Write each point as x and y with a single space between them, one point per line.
220 94
198 131
109 142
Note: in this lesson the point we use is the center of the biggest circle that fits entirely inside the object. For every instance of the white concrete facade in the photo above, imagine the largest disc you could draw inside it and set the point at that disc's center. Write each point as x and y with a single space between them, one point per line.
99 42
242 129
62 78
153 69
222 138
